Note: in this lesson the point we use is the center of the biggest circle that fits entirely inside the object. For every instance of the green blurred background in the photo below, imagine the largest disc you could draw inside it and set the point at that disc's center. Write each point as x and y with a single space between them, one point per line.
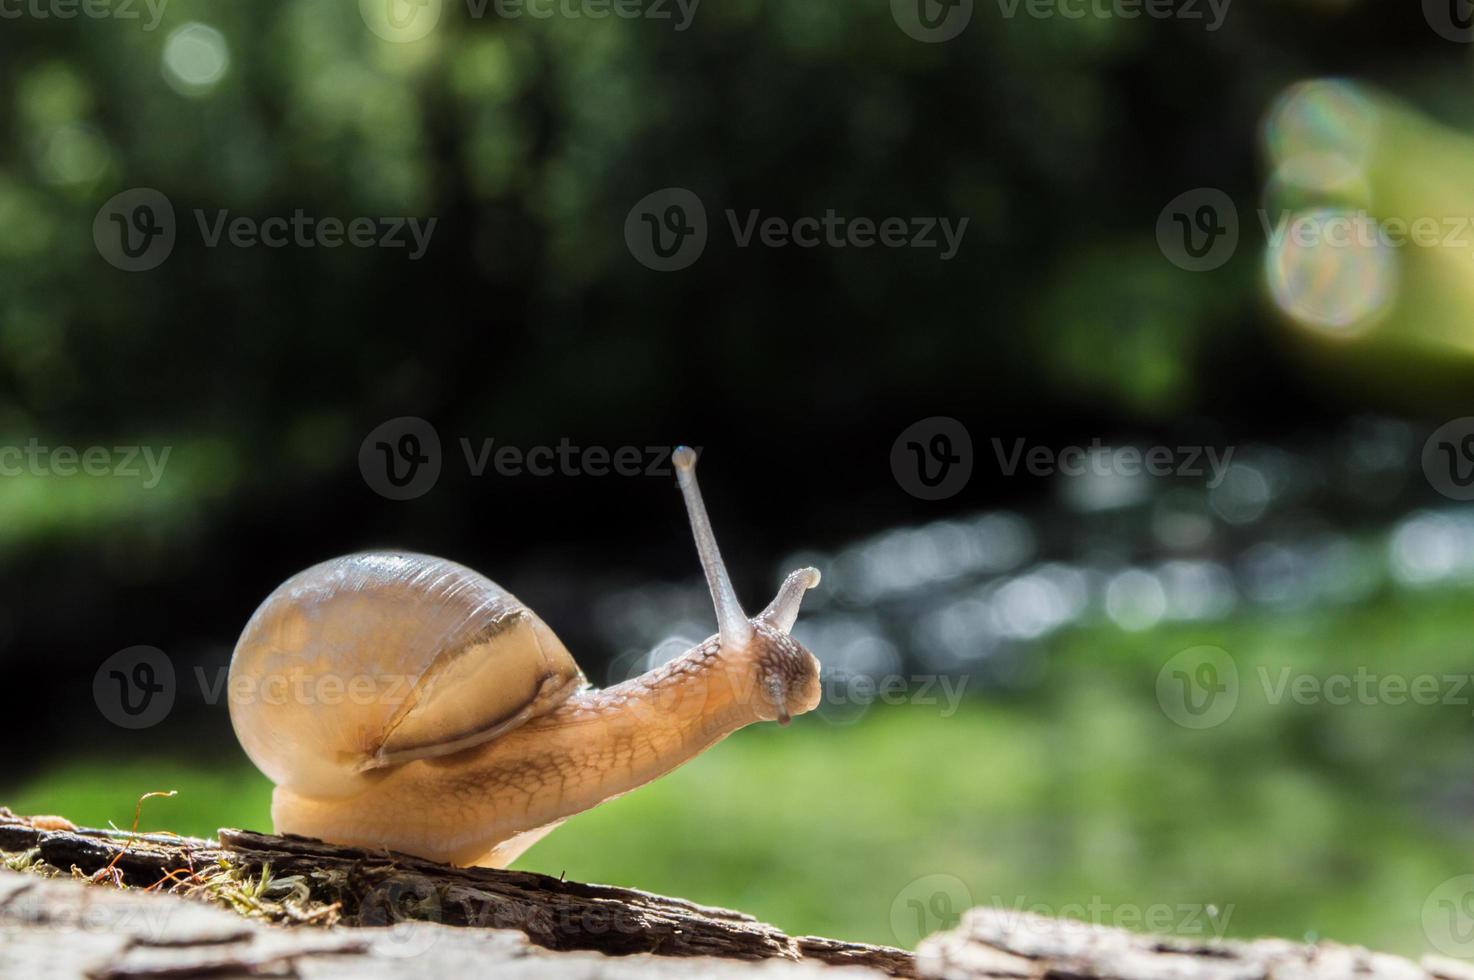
1056 603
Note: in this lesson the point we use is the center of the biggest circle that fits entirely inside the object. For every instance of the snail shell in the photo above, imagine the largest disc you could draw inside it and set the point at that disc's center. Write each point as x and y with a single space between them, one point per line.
371 660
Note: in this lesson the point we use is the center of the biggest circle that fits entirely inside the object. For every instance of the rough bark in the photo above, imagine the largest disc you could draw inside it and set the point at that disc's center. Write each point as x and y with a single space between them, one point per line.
370 915
355 887
1003 944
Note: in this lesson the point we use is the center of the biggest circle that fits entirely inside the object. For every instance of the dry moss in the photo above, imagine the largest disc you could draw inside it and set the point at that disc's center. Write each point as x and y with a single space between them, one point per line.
265 897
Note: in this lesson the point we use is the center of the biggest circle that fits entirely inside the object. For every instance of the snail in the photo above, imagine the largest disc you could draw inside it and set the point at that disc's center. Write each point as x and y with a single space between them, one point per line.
406 702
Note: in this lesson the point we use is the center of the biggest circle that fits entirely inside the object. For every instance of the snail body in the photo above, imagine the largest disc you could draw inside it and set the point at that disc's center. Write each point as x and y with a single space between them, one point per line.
406 702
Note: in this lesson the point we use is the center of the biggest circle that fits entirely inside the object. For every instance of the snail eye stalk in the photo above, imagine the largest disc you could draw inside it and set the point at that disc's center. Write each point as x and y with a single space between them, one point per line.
732 622
782 612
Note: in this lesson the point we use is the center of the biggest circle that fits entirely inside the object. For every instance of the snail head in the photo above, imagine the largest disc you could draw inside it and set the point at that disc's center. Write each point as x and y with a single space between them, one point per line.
786 675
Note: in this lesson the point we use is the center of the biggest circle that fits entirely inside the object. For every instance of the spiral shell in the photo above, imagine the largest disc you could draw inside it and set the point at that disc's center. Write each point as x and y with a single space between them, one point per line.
373 660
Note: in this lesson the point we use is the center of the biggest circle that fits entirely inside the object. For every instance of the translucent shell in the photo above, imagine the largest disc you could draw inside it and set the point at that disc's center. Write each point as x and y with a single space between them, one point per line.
373 660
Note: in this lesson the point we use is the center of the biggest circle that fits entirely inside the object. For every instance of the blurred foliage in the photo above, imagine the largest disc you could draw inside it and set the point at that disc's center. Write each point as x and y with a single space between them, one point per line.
530 139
